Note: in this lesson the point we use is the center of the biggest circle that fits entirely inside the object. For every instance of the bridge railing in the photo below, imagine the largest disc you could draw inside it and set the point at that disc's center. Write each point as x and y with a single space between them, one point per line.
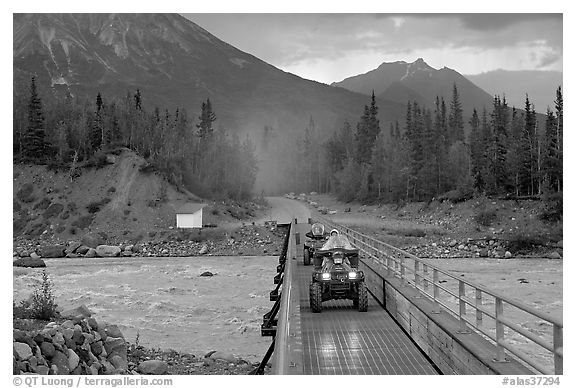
287 354
510 324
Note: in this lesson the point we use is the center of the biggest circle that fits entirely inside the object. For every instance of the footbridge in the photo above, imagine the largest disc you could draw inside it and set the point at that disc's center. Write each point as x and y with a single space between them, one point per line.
422 319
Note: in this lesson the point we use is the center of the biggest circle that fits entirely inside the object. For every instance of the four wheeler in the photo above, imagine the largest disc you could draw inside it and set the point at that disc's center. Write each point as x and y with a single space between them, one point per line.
315 239
336 275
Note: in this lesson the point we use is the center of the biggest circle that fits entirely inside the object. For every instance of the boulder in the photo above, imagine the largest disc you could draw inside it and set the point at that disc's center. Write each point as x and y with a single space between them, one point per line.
34 255
52 251
93 323
29 262
72 256
113 331
41 369
22 350
116 346
118 362
96 348
223 356
76 313
91 253
453 243
204 249
72 247
108 251
554 255
560 244
483 252
207 274
47 349
153 367
508 255
61 362
92 240
82 250
73 359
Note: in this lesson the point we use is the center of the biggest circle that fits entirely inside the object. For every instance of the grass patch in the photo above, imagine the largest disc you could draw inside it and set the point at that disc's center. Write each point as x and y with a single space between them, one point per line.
486 217
95 207
25 194
83 222
524 244
53 210
43 204
405 232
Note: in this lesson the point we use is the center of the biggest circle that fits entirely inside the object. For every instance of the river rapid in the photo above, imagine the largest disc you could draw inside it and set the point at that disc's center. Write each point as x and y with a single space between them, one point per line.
166 300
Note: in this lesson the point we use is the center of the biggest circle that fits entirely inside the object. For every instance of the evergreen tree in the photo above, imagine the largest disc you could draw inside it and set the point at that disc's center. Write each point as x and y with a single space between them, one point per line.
34 144
207 117
559 104
97 128
455 120
476 151
550 155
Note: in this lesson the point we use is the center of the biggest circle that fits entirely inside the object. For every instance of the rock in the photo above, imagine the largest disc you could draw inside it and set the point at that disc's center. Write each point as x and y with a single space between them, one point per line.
47 349
110 158
129 248
92 240
72 255
96 348
82 250
204 249
29 262
507 255
207 274
69 324
113 331
108 368
73 359
93 323
61 362
77 313
461 247
118 362
116 346
72 247
153 367
67 332
34 255
483 253
108 251
52 251
554 255
453 243
41 369
91 253
560 244
22 350
223 356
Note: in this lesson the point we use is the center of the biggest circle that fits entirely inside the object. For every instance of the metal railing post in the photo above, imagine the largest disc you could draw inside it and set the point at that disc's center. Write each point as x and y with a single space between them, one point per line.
557 333
402 270
478 305
462 310
500 355
436 291
425 268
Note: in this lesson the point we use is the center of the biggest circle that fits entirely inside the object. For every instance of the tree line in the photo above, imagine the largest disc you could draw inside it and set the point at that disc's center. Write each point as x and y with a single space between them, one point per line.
429 155
191 153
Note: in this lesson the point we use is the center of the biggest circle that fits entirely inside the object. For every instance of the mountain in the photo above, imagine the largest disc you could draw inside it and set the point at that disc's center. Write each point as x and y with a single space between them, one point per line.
175 63
401 81
540 85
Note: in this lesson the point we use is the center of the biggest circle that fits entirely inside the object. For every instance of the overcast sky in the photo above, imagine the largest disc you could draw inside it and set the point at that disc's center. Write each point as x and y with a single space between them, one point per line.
331 47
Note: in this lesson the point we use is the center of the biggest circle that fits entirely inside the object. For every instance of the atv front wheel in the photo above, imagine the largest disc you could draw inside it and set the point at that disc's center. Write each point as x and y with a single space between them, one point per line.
362 297
316 297
306 257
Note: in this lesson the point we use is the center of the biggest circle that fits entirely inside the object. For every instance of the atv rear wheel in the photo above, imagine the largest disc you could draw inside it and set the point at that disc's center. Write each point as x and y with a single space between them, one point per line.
306 257
316 297
362 297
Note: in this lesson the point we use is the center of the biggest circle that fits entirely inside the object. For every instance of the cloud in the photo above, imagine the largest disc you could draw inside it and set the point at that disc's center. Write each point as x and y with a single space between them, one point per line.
499 21
549 58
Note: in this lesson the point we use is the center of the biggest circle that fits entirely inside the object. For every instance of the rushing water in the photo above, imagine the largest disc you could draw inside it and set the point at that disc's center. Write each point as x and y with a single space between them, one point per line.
166 300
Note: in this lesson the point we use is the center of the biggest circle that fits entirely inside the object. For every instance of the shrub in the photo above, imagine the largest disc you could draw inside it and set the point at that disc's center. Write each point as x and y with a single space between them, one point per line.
94 207
42 304
43 204
25 193
112 189
523 244
53 210
83 222
407 232
553 208
486 217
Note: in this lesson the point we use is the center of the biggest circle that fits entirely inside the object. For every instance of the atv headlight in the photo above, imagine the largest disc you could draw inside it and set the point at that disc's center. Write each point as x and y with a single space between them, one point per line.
337 260
325 276
352 275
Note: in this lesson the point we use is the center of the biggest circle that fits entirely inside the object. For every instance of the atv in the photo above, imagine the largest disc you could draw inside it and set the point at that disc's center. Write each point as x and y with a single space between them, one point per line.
336 276
315 239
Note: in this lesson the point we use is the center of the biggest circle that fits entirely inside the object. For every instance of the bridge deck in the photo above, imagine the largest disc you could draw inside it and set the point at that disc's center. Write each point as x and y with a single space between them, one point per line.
341 340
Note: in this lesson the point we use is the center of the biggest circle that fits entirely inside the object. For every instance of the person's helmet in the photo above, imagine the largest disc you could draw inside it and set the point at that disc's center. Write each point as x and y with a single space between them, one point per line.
317 229
334 232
